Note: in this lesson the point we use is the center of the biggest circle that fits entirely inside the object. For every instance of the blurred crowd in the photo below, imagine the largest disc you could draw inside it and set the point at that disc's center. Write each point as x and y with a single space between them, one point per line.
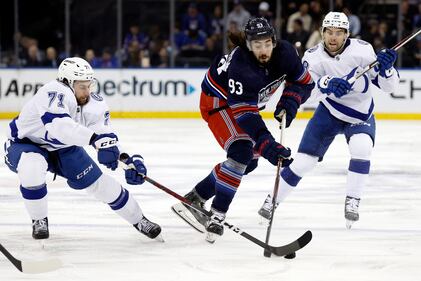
200 27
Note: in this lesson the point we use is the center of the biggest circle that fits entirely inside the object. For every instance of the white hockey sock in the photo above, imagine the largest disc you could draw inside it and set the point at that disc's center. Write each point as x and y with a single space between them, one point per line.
355 184
131 211
109 191
37 208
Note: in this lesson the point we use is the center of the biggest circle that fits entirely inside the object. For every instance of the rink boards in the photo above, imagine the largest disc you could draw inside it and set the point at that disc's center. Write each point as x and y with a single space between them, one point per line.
175 93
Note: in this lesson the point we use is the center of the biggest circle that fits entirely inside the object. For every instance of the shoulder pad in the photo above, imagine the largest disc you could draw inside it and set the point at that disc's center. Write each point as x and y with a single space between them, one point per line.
97 96
362 42
313 49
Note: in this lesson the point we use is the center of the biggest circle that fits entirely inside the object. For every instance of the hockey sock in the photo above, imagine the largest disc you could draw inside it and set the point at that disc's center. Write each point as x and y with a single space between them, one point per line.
206 188
357 177
35 199
228 178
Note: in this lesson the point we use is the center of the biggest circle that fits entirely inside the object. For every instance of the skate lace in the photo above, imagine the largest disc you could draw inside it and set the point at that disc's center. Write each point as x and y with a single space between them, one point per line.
352 205
40 225
217 218
146 225
267 205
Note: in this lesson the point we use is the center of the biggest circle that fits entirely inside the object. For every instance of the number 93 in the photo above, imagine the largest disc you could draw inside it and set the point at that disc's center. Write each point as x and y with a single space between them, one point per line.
235 87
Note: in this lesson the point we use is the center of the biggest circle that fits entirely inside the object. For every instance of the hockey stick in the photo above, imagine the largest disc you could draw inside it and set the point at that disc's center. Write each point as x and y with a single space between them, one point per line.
31 266
278 251
267 253
374 63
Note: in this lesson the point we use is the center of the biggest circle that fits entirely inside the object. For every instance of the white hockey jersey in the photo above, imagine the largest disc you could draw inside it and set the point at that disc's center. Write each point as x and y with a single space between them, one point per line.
356 106
53 119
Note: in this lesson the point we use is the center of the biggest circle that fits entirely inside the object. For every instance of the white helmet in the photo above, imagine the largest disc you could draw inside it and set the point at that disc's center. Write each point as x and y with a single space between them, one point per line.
74 69
336 20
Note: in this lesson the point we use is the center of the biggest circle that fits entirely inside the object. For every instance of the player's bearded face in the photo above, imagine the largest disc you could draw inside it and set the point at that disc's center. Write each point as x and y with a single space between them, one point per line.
82 91
334 38
262 49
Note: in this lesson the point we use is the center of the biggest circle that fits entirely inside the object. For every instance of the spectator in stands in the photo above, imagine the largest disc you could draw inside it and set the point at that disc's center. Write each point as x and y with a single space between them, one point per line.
316 14
131 58
407 16
135 35
387 36
217 30
33 57
298 37
371 32
416 22
108 60
159 53
354 22
217 22
194 17
315 37
264 12
303 15
51 58
193 40
238 16
92 59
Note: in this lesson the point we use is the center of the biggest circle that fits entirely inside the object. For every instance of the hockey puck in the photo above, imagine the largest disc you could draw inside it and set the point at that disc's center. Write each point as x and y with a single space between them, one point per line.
290 256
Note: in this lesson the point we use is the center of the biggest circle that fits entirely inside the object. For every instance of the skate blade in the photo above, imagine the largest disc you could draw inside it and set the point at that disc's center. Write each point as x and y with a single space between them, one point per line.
349 224
159 238
210 237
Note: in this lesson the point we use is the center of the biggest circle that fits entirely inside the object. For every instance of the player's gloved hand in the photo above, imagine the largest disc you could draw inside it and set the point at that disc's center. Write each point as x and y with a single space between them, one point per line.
108 152
136 173
271 150
386 59
288 104
337 86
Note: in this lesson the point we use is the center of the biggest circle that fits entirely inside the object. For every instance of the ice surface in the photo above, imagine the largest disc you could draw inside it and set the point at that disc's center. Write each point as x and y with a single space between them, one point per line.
96 244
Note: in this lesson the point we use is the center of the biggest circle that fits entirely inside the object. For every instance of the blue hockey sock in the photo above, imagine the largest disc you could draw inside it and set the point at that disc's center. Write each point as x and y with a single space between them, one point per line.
228 178
206 188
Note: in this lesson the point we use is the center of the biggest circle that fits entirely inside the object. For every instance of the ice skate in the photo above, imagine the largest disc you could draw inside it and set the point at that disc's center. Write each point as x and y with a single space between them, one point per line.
198 201
150 229
351 210
215 226
266 210
40 229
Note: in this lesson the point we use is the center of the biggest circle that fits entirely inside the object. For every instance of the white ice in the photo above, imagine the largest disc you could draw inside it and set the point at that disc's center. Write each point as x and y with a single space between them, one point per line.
96 244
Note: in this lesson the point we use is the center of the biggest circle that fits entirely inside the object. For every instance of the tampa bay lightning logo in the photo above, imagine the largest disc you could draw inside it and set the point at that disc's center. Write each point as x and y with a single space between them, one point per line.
97 96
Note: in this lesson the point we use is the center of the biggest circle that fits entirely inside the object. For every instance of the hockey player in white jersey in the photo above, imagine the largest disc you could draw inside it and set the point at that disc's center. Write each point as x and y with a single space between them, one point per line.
344 109
49 135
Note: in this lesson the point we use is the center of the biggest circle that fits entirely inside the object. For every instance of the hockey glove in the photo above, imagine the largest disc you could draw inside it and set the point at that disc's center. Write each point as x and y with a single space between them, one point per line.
271 150
108 152
337 86
136 173
290 107
386 59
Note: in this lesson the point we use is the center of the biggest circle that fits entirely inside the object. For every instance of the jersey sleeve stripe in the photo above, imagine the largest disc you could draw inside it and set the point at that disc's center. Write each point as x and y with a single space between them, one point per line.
49 117
215 85
305 78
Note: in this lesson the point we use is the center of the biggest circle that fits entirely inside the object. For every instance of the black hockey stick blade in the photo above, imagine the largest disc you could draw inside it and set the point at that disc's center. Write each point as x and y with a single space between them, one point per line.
32 267
293 246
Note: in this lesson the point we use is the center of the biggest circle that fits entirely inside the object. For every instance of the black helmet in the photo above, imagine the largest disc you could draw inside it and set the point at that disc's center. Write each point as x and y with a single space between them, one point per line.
257 28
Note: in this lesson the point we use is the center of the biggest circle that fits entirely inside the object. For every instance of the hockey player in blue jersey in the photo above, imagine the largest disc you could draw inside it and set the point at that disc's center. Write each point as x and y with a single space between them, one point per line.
344 109
49 135
234 89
